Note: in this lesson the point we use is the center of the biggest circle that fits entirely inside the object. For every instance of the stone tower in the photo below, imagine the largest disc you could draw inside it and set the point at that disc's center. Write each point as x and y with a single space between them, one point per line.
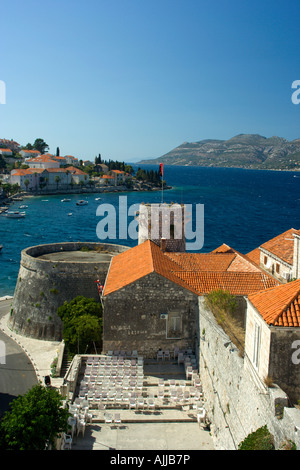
164 225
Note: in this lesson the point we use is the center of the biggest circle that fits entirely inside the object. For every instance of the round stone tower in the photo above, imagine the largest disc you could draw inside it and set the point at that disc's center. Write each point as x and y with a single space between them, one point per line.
51 274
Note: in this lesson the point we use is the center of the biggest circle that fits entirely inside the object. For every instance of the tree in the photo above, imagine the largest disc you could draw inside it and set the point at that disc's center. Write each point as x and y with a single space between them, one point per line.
82 323
57 180
34 420
40 145
26 182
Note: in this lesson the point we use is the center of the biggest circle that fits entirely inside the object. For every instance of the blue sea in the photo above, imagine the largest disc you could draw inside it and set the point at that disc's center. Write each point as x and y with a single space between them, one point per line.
243 208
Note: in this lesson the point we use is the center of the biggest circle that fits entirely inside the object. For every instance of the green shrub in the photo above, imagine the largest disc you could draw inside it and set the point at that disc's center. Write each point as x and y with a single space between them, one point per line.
261 439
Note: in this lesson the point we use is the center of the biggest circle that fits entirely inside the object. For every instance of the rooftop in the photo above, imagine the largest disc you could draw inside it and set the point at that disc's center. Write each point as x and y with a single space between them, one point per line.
198 272
282 245
279 306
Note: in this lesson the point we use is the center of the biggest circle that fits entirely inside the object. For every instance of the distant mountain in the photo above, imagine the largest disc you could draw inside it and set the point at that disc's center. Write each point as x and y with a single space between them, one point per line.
241 151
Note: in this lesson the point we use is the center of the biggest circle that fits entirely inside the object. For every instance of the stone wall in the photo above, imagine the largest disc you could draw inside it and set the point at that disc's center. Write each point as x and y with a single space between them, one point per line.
236 400
43 285
132 316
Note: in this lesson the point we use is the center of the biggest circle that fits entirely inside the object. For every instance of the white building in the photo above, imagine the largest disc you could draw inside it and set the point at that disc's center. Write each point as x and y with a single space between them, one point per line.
280 256
43 161
29 153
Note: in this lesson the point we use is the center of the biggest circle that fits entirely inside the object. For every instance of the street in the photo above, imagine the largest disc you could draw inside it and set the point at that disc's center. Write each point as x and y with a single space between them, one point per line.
17 374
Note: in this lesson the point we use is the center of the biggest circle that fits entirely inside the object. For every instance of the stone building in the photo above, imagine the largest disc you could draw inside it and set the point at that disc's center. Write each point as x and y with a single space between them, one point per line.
272 340
151 295
163 223
146 306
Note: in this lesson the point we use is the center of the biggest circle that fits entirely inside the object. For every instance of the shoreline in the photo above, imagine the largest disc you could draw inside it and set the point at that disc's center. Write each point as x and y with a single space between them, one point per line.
110 189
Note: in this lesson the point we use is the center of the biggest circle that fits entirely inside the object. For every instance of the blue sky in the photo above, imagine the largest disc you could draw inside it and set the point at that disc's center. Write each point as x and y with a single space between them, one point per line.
132 79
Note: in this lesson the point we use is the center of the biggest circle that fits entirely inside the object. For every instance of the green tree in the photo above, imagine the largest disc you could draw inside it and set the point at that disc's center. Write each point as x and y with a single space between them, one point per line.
40 145
57 180
34 420
82 323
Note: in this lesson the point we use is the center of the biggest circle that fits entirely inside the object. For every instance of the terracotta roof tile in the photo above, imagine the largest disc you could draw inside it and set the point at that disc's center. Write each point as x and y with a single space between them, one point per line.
282 245
199 273
254 256
279 306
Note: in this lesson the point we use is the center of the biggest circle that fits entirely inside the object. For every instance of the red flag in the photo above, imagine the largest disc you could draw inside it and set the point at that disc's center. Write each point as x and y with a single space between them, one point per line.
161 166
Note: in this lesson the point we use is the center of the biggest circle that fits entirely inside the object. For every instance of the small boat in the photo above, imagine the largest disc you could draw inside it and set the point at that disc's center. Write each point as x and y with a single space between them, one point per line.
70 213
65 200
1 246
14 214
23 206
97 198
81 203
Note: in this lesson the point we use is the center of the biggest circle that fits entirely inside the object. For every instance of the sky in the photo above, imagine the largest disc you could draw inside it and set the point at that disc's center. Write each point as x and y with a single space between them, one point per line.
133 79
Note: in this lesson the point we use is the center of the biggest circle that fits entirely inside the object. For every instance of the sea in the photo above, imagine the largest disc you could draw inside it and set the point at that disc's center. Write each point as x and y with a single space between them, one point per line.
242 208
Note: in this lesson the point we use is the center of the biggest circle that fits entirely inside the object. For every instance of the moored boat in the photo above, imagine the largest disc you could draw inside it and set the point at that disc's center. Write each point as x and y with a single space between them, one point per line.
81 203
14 214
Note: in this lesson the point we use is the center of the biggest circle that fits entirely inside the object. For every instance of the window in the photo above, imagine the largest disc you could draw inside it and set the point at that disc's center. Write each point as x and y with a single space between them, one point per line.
174 325
265 260
256 345
277 268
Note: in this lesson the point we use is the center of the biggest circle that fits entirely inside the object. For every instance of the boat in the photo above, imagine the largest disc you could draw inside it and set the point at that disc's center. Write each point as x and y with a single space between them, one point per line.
14 214
81 203
23 206
1 246
70 213
97 198
65 200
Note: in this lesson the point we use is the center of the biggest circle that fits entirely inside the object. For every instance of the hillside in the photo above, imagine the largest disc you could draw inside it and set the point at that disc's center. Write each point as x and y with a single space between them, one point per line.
241 151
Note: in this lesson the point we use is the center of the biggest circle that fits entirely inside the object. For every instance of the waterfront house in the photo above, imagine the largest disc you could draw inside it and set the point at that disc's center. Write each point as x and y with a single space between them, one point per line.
119 176
107 180
30 179
272 339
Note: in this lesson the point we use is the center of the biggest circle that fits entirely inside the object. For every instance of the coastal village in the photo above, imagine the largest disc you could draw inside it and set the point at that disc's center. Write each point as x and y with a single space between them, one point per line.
240 372
34 172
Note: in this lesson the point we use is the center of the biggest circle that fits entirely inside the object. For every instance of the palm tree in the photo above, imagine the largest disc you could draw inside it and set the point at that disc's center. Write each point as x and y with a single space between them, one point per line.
57 180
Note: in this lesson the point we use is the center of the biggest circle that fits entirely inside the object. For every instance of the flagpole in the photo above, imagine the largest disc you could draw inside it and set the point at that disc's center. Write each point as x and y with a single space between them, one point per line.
162 181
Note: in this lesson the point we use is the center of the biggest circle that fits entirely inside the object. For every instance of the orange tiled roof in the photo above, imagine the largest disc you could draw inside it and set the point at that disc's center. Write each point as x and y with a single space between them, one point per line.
28 171
254 256
199 273
138 262
279 306
75 170
282 245
237 283
41 158
223 249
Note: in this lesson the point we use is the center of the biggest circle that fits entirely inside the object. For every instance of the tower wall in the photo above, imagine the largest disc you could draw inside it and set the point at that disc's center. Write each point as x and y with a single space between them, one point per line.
164 224
45 284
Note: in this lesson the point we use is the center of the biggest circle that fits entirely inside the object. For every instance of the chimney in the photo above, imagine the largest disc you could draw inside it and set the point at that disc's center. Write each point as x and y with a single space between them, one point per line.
163 244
